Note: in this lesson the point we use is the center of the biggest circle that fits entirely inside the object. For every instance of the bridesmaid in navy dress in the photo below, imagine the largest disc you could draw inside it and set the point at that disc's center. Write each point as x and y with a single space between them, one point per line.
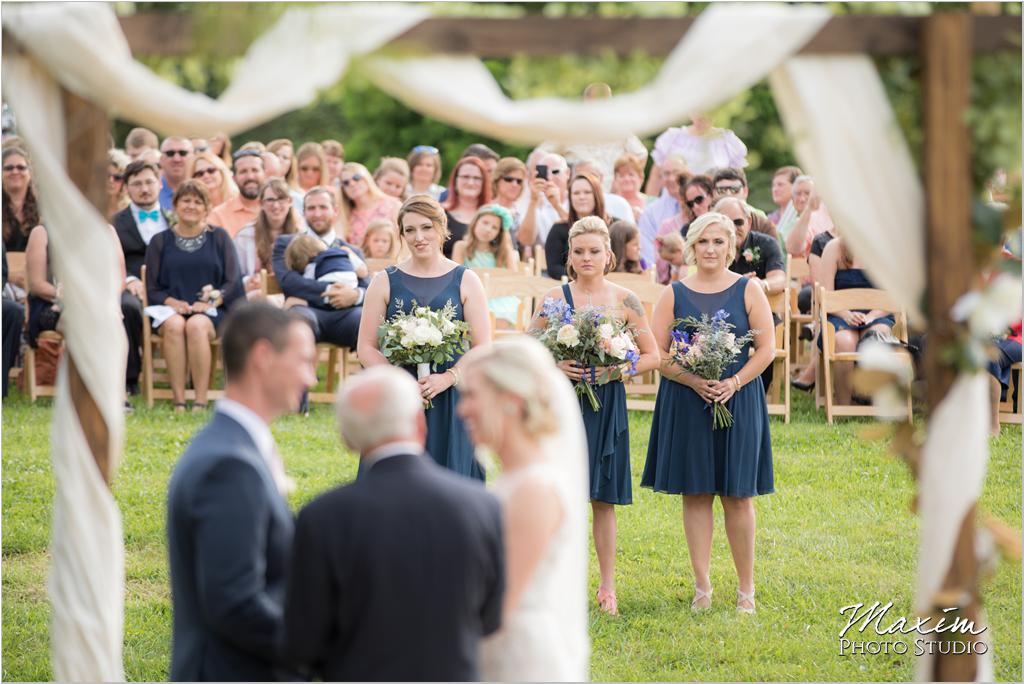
432 280
590 259
684 455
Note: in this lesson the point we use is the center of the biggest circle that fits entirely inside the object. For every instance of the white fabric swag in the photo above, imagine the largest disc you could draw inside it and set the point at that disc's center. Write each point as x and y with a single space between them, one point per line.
834 108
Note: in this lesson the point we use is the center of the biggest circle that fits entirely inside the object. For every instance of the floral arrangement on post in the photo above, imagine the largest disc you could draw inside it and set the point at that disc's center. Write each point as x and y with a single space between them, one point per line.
591 337
707 351
423 338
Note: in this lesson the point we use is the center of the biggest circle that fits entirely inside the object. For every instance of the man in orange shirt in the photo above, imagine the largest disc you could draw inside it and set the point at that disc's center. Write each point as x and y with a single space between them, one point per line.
242 209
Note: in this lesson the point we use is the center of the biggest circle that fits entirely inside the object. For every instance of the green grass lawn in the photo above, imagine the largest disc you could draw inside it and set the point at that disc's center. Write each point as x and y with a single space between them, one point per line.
837 531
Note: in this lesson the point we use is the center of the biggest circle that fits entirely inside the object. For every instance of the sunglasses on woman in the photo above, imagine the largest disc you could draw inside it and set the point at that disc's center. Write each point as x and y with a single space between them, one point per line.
205 172
354 179
16 167
699 199
510 179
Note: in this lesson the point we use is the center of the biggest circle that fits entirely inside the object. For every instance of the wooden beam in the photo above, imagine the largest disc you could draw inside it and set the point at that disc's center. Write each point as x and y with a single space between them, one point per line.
87 128
947 80
171 34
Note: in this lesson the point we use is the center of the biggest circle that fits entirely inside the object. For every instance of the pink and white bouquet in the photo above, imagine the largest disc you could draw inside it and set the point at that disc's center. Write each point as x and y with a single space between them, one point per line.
707 352
591 337
424 337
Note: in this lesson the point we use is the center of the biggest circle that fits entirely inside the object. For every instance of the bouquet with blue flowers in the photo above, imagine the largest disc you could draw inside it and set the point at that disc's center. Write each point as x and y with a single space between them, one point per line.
591 337
707 351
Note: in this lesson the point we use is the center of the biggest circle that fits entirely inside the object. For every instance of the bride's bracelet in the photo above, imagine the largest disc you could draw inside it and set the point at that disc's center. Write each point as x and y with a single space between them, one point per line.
455 375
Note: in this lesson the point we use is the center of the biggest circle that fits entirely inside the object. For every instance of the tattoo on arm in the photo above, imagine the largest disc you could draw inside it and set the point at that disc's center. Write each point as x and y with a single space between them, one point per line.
633 302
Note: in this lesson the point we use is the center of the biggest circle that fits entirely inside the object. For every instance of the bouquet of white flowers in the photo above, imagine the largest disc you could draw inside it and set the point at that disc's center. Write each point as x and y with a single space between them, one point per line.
423 337
707 352
590 337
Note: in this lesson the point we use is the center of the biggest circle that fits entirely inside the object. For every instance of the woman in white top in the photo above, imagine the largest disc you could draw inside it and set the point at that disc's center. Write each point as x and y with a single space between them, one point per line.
515 402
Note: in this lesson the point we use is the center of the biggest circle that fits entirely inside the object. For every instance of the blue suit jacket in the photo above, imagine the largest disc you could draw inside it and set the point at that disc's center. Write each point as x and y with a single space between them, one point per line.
229 534
294 284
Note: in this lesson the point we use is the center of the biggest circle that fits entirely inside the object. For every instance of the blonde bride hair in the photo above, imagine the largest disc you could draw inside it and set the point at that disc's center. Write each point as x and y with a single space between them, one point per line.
519 365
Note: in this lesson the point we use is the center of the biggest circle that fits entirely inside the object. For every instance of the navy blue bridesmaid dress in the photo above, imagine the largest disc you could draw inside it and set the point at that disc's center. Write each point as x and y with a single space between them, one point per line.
447 440
607 439
684 454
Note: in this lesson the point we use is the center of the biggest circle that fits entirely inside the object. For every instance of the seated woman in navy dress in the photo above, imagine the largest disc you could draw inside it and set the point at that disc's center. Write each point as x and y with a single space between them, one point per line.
431 279
590 260
841 271
180 263
685 455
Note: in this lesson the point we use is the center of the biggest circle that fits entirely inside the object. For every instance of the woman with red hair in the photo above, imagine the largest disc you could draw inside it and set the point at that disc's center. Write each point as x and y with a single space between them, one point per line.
469 189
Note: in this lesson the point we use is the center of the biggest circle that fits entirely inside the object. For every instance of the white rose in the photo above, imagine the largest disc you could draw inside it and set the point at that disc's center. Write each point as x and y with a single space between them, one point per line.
568 335
421 335
605 330
434 337
448 327
407 341
619 347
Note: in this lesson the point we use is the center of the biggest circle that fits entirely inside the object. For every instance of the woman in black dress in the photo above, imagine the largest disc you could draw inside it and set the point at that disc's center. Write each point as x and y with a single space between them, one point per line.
180 263
586 198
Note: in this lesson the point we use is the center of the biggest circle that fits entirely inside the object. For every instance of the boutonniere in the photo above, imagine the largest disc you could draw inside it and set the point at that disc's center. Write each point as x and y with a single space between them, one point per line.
752 255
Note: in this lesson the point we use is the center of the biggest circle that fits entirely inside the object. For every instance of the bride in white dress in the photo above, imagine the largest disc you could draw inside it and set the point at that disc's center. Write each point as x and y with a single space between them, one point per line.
516 402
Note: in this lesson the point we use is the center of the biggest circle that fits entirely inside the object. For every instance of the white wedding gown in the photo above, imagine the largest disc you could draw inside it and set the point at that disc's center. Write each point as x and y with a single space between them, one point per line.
545 637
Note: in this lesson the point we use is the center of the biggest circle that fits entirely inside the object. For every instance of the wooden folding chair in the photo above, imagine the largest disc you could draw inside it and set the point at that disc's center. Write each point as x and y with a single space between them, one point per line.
778 395
831 301
540 260
530 289
154 368
642 390
341 362
377 265
32 386
1008 413
800 350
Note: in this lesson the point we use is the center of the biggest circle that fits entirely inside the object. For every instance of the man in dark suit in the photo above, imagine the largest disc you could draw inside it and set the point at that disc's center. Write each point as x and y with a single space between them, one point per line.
398 575
229 528
136 225
333 309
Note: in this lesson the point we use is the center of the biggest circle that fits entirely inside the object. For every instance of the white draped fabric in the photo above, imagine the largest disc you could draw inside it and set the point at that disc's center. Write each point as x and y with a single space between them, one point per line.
834 108
846 136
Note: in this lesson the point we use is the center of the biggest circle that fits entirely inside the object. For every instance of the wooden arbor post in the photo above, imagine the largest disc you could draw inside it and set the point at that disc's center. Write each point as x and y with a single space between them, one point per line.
946 52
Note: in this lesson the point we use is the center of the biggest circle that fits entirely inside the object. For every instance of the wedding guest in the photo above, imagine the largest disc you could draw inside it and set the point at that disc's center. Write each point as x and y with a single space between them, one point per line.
607 428
685 455
334 152
420 547
470 189
255 242
616 206
733 183
485 154
840 270
703 146
671 250
285 151
806 379
516 402
381 240
138 140
585 199
507 186
13 322
208 168
175 156
488 244
180 263
362 201
20 204
784 215
425 172
239 211
548 202
229 528
696 194
392 177
672 172
812 217
311 167
626 247
117 197
220 145
332 309
135 226
629 179
1008 353
432 280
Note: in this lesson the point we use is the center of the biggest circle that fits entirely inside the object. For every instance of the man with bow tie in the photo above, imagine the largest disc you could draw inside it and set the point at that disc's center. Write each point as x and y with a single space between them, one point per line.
136 225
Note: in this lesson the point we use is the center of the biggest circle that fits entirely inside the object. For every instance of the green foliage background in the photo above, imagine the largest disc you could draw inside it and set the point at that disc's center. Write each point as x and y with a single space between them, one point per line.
371 124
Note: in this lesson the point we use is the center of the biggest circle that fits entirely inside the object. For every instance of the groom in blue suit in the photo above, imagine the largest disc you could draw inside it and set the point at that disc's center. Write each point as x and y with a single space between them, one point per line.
229 529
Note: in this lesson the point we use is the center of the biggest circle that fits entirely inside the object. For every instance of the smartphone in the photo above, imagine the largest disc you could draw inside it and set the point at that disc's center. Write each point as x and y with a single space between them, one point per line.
542 171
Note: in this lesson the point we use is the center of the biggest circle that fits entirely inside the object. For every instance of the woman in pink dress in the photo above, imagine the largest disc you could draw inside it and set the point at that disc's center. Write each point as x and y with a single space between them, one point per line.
362 202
